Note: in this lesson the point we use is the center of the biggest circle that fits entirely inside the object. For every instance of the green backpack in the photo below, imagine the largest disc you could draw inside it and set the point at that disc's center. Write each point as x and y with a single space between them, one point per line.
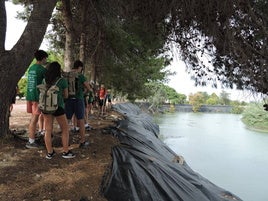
48 97
72 78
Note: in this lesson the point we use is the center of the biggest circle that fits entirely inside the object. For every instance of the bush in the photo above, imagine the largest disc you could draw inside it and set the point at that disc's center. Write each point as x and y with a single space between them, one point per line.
255 117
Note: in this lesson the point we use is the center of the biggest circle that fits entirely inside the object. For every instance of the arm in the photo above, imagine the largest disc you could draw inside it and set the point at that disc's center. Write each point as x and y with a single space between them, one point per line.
87 86
65 93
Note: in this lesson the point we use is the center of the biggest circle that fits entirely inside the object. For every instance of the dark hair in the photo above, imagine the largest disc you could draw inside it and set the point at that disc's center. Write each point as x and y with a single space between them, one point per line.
40 55
53 73
78 64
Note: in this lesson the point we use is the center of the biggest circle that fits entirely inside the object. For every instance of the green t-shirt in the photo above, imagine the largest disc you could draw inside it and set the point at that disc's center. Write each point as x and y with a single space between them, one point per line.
36 74
62 84
79 94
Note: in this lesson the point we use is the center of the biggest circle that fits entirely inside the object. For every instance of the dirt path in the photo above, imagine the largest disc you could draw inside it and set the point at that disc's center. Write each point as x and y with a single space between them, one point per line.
25 175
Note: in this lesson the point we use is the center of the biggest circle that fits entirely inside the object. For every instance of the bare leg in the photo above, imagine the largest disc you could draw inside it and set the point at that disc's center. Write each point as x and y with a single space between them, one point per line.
62 121
81 123
41 125
48 119
32 126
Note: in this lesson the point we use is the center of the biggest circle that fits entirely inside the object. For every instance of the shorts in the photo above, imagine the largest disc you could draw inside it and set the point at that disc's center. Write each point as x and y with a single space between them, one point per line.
60 111
32 107
75 106
101 102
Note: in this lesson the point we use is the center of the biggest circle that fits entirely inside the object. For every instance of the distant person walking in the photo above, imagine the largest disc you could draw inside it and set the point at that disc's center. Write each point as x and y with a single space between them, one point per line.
102 96
36 74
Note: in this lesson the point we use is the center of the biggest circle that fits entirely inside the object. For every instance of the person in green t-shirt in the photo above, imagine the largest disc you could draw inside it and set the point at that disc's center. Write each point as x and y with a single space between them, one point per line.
52 76
36 74
75 105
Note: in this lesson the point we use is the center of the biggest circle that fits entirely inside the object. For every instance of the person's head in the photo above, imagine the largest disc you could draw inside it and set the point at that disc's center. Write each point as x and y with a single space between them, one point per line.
53 72
41 56
78 65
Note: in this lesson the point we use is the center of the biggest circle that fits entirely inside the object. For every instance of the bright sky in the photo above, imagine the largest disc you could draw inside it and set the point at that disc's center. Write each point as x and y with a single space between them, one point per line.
181 82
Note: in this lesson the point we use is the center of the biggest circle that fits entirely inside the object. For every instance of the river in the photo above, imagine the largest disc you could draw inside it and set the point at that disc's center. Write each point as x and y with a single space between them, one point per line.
220 148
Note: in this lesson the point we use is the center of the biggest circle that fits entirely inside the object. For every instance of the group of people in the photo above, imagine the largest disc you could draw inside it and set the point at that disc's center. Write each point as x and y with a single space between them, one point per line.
68 106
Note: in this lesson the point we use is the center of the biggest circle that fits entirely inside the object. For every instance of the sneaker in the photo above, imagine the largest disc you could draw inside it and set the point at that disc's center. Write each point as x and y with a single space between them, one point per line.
40 134
87 127
50 155
84 144
68 154
75 130
33 145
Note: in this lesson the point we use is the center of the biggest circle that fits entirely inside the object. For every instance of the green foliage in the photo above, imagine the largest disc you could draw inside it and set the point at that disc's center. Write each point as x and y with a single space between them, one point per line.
22 87
237 107
159 93
197 100
55 56
213 99
224 98
174 97
129 62
255 117
156 94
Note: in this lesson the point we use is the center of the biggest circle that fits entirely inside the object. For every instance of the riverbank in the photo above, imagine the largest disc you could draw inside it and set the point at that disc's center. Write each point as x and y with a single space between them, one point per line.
125 149
26 174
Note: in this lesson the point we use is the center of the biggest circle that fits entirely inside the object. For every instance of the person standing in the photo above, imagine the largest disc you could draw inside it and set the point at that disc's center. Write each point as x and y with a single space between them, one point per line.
36 74
74 105
109 99
102 95
53 76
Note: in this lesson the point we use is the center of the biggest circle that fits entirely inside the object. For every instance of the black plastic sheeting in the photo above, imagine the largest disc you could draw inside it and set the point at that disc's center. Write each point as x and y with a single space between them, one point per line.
145 169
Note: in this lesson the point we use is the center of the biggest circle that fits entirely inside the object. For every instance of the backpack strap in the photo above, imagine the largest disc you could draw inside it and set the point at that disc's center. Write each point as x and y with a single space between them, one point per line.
58 81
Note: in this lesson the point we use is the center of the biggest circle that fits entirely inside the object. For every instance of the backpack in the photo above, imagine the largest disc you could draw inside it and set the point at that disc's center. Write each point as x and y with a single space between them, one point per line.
48 97
72 78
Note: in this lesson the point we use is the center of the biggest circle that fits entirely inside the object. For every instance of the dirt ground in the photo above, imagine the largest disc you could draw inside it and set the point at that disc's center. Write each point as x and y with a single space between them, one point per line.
26 175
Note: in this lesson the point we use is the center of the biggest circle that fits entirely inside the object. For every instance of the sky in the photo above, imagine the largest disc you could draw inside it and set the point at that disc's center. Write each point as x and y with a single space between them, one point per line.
181 81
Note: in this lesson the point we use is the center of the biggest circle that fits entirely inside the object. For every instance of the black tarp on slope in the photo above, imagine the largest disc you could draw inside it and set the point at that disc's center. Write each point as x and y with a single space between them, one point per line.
145 169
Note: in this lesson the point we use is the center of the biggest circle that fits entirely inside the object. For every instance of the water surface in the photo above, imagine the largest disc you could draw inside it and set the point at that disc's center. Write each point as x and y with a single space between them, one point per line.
220 148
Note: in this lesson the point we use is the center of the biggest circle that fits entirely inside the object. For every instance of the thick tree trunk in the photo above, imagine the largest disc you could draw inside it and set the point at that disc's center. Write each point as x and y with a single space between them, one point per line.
69 42
82 48
68 52
4 117
3 24
15 62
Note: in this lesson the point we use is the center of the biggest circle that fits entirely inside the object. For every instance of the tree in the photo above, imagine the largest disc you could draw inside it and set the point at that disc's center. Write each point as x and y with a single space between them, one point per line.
224 98
213 99
174 97
197 100
13 63
218 40
222 41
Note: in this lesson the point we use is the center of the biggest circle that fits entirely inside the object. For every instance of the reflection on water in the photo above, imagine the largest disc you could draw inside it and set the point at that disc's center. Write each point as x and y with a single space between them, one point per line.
219 147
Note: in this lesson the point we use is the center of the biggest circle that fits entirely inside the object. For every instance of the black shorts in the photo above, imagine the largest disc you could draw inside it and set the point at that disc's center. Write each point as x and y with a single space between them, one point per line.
60 111
101 102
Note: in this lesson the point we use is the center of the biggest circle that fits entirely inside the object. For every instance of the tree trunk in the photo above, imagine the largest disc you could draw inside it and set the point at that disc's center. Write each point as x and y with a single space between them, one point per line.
15 62
82 48
69 43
